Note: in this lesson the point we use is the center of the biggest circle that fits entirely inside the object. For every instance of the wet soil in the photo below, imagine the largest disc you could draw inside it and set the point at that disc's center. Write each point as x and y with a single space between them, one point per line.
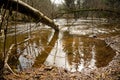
110 72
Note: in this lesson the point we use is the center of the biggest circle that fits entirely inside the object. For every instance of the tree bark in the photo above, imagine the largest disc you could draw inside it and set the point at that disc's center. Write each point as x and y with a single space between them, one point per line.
20 6
1 69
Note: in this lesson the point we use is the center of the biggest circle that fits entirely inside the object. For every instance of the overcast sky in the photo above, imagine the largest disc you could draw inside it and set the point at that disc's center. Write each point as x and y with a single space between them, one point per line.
57 1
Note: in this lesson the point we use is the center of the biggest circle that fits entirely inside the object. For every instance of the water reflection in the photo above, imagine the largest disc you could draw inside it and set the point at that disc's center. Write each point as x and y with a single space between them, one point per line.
29 55
57 56
78 53
74 48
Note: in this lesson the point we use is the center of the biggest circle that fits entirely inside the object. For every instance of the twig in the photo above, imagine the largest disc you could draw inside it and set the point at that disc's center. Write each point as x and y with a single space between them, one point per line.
7 66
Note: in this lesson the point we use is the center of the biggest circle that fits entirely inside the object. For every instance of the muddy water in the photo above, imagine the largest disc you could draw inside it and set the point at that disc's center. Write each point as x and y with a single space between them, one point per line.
77 53
79 44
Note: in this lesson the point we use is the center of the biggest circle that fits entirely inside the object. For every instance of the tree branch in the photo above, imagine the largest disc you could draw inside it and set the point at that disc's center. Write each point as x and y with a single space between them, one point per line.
20 6
66 11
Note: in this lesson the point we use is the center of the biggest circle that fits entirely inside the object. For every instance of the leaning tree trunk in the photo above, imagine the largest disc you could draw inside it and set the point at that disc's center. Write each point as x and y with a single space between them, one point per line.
20 6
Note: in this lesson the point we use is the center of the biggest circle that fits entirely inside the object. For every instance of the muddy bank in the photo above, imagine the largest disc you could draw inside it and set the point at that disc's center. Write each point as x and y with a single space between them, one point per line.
110 72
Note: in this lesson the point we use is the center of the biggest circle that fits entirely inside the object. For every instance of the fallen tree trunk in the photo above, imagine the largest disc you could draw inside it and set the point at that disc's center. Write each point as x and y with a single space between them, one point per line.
20 6
107 10
66 11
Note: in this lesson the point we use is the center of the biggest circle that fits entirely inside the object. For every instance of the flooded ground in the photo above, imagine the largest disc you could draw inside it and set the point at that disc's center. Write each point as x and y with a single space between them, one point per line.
78 46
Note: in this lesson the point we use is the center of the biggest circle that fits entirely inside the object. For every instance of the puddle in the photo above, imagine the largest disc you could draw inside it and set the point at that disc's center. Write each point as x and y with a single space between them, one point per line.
74 48
78 53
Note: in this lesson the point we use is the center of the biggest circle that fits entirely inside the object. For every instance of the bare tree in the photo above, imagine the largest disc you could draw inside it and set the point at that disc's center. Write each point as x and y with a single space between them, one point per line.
43 5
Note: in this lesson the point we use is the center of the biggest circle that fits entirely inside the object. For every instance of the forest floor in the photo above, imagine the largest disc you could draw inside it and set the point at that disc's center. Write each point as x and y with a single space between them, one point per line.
110 72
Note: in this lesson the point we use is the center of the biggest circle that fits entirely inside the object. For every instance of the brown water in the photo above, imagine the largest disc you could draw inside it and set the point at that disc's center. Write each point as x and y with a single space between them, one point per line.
79 44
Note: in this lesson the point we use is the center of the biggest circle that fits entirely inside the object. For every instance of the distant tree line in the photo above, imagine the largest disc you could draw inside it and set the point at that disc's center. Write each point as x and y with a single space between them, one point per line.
72 8
72 5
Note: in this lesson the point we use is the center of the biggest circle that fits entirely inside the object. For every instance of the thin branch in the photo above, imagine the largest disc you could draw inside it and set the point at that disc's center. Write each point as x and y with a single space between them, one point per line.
29 11
9 52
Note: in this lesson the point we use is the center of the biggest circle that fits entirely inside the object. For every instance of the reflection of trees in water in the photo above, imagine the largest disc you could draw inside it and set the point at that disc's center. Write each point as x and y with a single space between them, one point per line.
86 52
79 53
47 48
37 47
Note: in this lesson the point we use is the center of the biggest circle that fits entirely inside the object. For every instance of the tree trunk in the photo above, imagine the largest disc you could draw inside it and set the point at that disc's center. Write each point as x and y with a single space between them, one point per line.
18 5
1 69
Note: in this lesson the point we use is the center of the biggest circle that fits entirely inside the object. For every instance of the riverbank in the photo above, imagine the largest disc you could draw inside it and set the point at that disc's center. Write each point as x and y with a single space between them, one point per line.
110 72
